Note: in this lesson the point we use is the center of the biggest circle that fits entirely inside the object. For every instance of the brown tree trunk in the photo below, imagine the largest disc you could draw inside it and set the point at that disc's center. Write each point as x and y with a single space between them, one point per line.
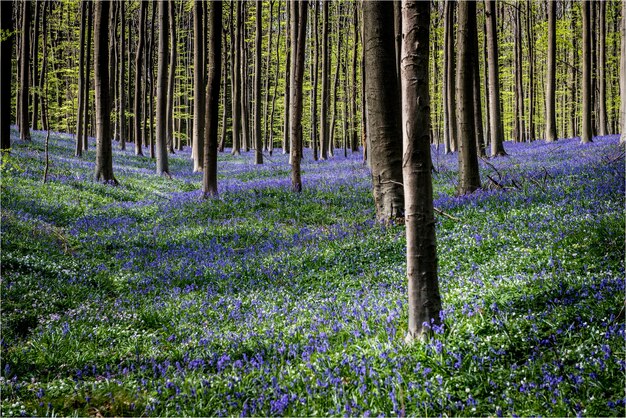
531 71
6 52
81 80
104 152
383 110
198 87
23 113
209 181
299 11
551 75
324 128
35 64
162 166
587 107
450 137
258 145
138 62
171 77
602 118
520 129
236 100
421 244
495 116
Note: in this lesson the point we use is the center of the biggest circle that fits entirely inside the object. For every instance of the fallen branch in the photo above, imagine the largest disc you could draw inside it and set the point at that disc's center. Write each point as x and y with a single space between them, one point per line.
447 215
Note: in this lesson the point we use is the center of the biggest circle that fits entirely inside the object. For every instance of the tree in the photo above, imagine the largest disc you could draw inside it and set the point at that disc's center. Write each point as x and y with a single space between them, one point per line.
81 80
104 153
162 167
551 75
496 128
235 61
324 128
24 74
171 77
209 181
602 117
467 48
299 11
421 252
199 49
258 146
35 64
6 51
520 130
622 77
450 135
586 132
531 72
138 71
383 110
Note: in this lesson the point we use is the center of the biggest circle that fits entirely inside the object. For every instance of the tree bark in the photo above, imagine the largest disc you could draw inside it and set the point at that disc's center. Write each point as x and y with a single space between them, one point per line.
602 118
81 81
138 62
209 179
199 118
495 116
469 178
316 62
531 71
35 64
104 153
586 132
325 84
287 106
258 145
299 11
6 52
23 113
450 138
171 77
421 254
520 129
162 166
236 100
551 75
622 77
383 110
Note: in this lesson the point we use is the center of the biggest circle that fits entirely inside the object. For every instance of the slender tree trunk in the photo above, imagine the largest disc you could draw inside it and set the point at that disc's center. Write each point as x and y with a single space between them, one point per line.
333 118
24 73
172 77
268 72
209 182
104 152
520 129
44 64
487 136
198 87
122 78
86 77
162 93
35 65
421 252
469 178
316 62
602 118
271 123
551 75
288 46
586 132
81 81
531 71
495 116
258 145
236 101
449 80
245 91
353 128
478 113
299 11
138 62
574 79
6 52
622 77
383 110
324 128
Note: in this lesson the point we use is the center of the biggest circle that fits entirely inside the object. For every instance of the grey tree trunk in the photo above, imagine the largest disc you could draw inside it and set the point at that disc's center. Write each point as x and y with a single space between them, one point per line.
35 63
209 180
622 77
198 87
6 52
451 143
586 132
23 114
81 80
602 118
121 79
162 166
383 110
138 62
258 143
469 178
531 72
520 128
299 11
324 128
171 78
421 244
496 128
551 75
236 100
104 152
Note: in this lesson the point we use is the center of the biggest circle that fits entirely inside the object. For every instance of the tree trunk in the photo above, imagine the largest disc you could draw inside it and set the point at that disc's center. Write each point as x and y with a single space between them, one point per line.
258 145
586 132
551 75
353 127
35 64
531 71
287 106
469 178
602 118
236 100
104 153
81 80
495 116
24 73
421 245
199 49
333 118
299 11
172 77
316 62
209 179
268 72
477 105
450 145
383 110
325 84
138 62
122 78
271 123
86 77
162 167
520 129
6 52
622 77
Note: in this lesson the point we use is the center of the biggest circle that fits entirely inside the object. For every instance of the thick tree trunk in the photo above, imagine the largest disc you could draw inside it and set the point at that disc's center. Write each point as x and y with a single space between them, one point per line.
6 52
23 113
495 116
551 75
421 252
199 49
587 107
138 62
325 84
383 110
209 182
104 152
258 145
268 72
299 11
162 166
469 178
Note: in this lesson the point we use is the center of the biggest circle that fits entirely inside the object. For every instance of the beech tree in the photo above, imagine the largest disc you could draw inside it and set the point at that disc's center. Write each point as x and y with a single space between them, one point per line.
586 132
162 166
23 112
138 71
6 51
495 116
383 110
421 251
104 153
622 77
551 74
199 49
258 146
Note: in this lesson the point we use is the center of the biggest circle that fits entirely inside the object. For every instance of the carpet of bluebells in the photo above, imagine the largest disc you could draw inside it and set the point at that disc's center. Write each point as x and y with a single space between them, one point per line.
145 299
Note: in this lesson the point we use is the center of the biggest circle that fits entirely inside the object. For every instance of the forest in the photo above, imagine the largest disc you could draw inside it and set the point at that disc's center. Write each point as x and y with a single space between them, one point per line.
303 208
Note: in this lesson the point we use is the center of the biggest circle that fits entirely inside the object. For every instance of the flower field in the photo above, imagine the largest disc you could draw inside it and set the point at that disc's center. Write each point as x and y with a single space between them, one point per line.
145 299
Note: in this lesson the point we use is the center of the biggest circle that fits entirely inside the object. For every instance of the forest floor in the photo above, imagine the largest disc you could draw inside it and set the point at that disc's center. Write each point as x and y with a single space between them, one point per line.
144 299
